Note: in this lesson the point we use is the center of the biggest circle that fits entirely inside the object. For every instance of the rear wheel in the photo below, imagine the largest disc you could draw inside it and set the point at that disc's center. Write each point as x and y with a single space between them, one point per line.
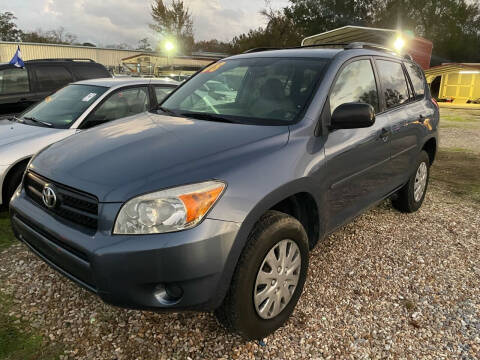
410 198
269 277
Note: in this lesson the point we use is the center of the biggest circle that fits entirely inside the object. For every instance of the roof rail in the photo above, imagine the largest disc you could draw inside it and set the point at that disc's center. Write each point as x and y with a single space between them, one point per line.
260 49
63 59
366 45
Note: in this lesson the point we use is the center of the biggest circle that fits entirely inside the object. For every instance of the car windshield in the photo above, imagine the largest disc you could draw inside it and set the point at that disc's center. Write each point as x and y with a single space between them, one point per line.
254 90
61 109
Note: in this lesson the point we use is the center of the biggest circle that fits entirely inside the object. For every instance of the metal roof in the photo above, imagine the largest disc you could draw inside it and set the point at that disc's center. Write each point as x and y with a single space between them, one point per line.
450 68
125 81
348 34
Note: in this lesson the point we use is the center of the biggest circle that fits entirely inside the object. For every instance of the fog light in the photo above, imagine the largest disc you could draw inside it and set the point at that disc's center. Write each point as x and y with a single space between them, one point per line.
168 294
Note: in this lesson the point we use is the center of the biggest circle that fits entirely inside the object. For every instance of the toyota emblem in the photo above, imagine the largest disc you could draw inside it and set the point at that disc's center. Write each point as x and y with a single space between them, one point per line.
49 197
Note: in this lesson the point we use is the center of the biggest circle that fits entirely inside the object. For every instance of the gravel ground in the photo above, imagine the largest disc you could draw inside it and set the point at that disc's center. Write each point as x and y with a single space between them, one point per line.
388 285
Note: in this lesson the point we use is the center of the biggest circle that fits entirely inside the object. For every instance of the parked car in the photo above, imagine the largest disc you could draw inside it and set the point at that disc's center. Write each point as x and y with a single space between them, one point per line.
74 108
215 207
21 88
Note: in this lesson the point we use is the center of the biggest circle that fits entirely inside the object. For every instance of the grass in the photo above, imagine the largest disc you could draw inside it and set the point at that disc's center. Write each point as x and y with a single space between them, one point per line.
458 170
18 341
6 234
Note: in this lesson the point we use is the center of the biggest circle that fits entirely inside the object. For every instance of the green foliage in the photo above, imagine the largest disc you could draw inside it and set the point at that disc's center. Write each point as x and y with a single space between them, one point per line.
144 45
452 25
6 234
17 341
8 28
174 21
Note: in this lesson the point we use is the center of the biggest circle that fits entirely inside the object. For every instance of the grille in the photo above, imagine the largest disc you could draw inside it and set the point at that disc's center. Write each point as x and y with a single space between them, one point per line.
72 205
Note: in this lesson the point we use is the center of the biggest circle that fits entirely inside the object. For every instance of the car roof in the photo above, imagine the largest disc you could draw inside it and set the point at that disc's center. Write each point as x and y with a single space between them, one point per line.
125 81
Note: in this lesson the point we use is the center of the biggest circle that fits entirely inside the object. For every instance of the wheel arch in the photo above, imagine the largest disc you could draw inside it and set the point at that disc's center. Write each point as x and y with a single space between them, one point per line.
21 162
287 196
430 147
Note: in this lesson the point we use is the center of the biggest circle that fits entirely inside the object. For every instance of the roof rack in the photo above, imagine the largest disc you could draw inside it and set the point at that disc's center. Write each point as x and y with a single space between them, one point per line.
63 59
345 46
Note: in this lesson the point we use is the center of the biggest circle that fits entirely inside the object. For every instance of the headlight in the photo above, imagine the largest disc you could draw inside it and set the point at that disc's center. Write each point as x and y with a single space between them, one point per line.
168 210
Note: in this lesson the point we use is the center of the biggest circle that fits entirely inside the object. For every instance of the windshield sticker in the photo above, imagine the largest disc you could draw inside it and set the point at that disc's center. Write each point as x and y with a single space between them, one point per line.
89 97
48 99
214 67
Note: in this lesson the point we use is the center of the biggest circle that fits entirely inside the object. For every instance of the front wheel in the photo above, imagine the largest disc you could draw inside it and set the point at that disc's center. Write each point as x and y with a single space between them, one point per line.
410 198
269 277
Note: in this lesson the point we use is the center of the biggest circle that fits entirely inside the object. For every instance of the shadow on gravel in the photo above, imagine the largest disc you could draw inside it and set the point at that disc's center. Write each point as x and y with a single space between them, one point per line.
459 171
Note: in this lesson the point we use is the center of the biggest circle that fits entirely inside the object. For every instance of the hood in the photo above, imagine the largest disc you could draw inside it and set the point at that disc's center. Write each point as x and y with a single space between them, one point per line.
146 153
12 132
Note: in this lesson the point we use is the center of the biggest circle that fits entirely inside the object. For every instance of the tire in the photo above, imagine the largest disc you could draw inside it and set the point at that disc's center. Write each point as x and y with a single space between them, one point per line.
14 179
239 313
406 200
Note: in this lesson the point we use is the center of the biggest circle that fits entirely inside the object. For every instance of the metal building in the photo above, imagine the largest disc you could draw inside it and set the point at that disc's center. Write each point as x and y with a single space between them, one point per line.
419 48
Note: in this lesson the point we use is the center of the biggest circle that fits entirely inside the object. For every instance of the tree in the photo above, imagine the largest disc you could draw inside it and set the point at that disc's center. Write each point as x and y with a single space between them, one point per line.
213 46
175 22
452 25
8 28
56 36
121 46
316 16
144 45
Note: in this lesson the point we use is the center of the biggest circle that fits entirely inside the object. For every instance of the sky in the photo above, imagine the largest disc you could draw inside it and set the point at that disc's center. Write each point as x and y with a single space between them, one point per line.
104 22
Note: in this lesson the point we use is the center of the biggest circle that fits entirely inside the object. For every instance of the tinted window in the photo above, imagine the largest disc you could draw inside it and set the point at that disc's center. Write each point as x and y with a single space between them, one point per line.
416 75
87 71
161 92
356 83
66 105
13 81
393 82
120 104
250 90
52 77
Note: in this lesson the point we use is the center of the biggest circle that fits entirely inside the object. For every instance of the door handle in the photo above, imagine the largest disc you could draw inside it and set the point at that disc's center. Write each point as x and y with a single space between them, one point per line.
384 133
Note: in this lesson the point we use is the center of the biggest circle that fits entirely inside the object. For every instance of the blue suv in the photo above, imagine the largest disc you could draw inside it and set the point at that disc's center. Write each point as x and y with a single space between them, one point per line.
213 201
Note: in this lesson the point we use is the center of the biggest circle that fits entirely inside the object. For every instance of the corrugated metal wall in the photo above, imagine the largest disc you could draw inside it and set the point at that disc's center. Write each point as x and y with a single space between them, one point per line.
461 87
107 57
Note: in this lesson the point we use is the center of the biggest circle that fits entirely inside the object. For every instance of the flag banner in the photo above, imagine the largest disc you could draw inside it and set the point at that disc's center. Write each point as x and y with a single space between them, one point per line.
17 59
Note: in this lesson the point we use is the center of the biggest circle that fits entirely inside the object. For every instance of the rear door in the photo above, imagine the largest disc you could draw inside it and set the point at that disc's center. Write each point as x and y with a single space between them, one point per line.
404 113
357 159
49 78
15 93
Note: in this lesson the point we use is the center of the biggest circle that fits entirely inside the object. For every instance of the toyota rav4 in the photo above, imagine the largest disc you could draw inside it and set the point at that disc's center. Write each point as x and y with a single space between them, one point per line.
213 200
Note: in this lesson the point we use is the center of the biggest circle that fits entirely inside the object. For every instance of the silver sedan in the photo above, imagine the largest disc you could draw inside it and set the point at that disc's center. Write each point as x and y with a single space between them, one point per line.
72 109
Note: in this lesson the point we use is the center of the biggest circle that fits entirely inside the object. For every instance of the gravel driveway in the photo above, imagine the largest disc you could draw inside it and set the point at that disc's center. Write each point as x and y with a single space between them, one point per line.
388 285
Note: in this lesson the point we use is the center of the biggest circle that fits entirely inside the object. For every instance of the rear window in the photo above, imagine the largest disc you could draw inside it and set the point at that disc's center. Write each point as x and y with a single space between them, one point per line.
50 78
89 71
416 75
14 81
394 84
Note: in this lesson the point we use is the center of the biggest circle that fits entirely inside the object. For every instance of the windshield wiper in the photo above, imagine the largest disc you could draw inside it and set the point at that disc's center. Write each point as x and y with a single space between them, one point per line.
30 118
206 116
167 111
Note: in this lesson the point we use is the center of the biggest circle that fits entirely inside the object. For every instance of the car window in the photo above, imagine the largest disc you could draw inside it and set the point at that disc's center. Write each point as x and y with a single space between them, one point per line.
89 71
120 104
161 92
356 83
393 82
65 106
52 77
14 81
250 90
416 75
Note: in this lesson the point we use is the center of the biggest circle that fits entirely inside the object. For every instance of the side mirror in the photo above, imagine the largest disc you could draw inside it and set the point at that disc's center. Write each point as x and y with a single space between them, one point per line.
353 116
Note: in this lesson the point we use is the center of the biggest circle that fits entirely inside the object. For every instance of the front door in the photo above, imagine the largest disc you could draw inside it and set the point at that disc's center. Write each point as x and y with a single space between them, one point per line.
357 159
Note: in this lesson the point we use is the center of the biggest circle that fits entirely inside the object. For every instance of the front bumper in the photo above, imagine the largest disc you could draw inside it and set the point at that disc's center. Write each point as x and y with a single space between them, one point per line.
126 270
